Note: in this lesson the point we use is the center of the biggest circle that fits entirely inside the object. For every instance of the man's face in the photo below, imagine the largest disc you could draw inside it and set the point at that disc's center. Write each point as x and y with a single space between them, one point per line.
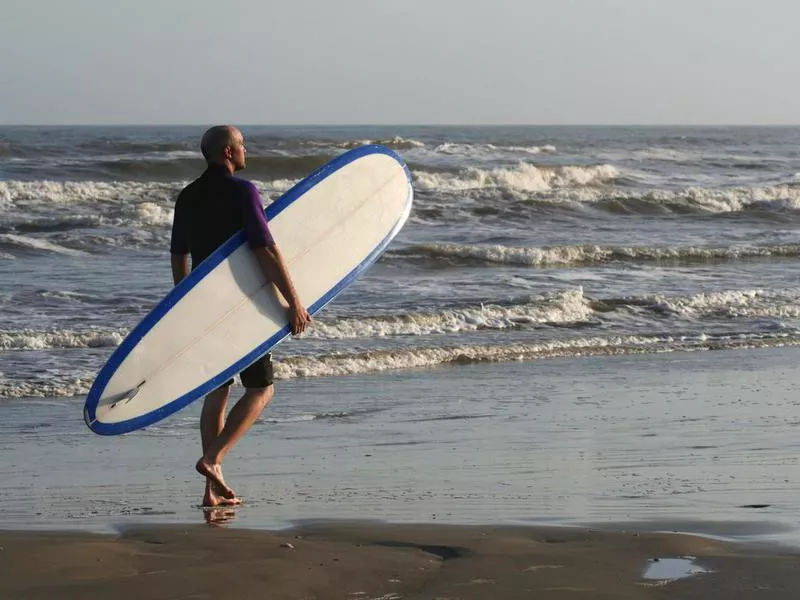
238 152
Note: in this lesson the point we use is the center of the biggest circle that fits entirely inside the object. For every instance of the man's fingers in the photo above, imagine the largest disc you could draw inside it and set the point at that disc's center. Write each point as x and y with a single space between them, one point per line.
299 321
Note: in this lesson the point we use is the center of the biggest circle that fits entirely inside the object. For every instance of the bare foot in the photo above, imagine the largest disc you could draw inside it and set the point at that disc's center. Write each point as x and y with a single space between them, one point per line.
213 499
214 473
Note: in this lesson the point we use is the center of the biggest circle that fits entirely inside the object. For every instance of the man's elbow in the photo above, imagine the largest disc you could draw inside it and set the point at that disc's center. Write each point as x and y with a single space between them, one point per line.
267 250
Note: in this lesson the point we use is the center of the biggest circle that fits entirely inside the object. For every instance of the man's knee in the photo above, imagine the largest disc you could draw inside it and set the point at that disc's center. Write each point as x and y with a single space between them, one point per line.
261 396
217 398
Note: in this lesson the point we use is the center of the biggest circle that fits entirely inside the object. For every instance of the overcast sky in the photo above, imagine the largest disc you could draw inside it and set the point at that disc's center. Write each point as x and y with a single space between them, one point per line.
400 62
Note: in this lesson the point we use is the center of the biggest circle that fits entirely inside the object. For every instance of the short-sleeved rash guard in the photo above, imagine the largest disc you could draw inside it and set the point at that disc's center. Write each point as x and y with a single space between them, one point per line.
211 209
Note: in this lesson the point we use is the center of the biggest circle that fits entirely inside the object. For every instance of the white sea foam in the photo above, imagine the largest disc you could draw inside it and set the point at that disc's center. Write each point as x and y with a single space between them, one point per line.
31 243
547 148
523 177
597 184
267 188
579 254
564 307
150 204
489 150
55 385
561 307
65 295
396 142
29 339
79 192
52 387
753 303
106 193
389 360
710 200
401 143
150 213
136 205
495 253
417 358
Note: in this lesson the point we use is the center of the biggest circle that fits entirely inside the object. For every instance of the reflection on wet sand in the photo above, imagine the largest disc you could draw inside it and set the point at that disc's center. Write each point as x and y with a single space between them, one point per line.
219 516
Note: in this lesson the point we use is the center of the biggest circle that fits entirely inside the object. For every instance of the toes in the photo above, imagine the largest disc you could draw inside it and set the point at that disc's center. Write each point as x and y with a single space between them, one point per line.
224 491
230 501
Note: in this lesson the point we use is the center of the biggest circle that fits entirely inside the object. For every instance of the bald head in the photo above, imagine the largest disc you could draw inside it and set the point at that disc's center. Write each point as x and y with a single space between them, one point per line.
224 145
215 139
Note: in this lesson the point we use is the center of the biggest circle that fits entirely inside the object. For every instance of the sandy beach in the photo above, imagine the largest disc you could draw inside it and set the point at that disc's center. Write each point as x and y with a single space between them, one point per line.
376 561
552 479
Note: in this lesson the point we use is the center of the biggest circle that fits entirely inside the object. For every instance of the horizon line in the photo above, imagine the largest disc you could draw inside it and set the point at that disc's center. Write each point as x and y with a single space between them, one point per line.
331 125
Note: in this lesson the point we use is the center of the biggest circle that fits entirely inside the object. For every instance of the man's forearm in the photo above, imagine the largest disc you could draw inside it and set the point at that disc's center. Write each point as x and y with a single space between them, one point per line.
274 268
180 267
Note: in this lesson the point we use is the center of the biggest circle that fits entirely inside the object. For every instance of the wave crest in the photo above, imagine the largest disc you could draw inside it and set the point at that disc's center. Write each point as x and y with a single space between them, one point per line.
568 306
524 177
391 360
29 339
591 254
26 243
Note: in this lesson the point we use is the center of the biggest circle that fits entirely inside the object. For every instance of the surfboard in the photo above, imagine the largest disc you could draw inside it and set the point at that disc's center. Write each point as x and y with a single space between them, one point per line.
331 227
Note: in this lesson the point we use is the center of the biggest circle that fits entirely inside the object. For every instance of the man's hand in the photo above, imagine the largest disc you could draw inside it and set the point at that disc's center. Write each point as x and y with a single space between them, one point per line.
180 267
299 318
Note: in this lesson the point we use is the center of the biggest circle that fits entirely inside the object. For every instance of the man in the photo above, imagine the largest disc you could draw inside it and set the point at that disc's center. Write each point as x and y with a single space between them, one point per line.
208 212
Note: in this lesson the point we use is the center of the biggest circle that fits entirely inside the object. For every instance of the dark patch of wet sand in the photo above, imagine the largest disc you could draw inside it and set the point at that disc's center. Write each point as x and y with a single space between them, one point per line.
340 560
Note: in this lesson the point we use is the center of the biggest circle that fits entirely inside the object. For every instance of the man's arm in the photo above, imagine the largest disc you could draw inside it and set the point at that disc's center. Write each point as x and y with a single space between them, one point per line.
180 266
179 241
274 268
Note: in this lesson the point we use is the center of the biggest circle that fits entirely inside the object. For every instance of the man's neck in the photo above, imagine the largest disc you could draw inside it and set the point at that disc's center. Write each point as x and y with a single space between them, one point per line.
226 165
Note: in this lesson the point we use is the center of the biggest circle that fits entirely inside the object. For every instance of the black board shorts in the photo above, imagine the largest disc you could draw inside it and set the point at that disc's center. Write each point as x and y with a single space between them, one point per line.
257 375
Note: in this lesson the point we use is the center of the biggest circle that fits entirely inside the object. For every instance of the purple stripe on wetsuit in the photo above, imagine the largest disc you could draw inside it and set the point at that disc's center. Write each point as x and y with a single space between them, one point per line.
211 209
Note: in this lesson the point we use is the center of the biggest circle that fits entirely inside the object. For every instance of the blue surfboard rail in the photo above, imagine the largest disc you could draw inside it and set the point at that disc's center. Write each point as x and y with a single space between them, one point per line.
218 256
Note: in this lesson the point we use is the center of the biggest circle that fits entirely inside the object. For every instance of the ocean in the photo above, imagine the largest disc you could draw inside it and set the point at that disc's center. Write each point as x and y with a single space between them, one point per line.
524 242
524 245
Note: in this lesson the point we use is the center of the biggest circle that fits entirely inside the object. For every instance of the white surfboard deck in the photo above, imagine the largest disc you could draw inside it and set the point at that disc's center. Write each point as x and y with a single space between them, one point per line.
330 227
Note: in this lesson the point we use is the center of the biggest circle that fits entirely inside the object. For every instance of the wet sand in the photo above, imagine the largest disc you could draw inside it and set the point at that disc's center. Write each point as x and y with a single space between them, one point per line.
386 562
708 439
471 464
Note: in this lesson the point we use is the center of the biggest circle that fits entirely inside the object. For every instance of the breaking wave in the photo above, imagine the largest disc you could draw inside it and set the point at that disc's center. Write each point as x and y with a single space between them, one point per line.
389 360
591 254
568 307
523 177
396 143
44 193
561 307
25 243
29 339
482 151
378 361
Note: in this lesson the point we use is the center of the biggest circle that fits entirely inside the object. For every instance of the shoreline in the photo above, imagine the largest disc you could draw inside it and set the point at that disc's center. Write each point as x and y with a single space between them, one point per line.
374 561
598 442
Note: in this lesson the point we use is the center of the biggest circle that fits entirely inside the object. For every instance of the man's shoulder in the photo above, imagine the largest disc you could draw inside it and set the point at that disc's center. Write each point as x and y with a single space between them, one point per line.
228 185
190 187
242 184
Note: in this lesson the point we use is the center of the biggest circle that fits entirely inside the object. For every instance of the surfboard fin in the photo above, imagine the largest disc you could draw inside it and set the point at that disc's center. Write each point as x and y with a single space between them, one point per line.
124 397
130 395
